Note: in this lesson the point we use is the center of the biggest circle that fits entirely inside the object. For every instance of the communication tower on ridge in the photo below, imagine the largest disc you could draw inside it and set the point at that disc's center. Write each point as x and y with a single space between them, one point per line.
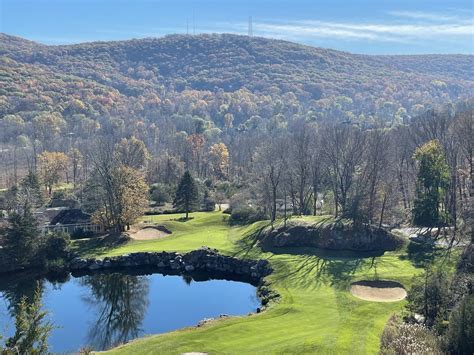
250 27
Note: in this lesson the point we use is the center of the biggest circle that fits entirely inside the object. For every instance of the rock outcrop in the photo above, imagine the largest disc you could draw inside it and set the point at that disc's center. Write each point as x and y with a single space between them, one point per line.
332 236
198 261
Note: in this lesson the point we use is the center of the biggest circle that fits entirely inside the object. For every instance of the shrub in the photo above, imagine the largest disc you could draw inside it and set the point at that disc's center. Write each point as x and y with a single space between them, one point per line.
245 215
429 296
161 193
56 246
81 233
59 195
208 205
404 338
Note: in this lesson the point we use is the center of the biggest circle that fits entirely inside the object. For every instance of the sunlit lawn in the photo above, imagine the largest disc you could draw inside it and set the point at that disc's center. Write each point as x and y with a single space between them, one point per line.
315 313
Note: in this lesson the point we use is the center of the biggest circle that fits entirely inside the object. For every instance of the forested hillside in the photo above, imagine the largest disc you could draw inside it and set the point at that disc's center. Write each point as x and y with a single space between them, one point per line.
219 106
211 76
308 147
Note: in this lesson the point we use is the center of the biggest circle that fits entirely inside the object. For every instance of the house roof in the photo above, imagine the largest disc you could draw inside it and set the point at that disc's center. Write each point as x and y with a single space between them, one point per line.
71 216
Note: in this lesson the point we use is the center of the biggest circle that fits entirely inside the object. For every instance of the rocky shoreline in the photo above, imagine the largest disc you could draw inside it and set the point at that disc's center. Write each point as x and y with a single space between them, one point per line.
204 263
201 264
204 260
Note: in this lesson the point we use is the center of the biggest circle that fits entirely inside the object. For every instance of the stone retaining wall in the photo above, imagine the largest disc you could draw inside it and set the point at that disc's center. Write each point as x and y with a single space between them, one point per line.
201 260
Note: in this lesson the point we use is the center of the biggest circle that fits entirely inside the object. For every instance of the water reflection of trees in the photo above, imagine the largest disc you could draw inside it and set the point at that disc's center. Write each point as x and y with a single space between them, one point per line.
121 302
15 289
32 327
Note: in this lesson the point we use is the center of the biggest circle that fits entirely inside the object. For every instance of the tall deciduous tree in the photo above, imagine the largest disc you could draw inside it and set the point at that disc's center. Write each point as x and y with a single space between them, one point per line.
52 165
132 152
343 150
300 164
46 128
115 194
123 195
187 194
219 159
270 163
76 158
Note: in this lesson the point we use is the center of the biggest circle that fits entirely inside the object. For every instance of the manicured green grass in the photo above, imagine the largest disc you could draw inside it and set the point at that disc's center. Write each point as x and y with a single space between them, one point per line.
204 229
315 313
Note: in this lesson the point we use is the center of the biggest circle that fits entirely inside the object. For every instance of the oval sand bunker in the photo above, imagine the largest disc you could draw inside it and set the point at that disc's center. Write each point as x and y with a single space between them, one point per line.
150 232
378 291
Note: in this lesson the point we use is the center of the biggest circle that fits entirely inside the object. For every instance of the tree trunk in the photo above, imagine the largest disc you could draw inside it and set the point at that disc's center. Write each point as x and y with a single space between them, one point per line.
274 203
315 202
383 209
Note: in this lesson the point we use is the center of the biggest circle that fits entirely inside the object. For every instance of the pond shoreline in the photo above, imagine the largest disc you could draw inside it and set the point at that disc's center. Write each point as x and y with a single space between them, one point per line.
201 260
201 264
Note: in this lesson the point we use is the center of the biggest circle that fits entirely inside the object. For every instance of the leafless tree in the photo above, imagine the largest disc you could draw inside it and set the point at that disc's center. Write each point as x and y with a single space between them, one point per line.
342 149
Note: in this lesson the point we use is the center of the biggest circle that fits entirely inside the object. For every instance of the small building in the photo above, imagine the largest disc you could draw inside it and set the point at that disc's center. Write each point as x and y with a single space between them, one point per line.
72 221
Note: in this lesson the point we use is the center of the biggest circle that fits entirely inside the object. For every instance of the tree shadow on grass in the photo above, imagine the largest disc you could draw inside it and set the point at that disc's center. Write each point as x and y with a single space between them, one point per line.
248 243
422 254
182 219
334 268
98 245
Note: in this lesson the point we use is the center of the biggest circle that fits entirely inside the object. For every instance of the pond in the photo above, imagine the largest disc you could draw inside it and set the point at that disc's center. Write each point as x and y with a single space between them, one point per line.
100 311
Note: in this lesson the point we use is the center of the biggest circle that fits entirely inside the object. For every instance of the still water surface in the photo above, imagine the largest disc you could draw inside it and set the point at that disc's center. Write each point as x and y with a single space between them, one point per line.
104 310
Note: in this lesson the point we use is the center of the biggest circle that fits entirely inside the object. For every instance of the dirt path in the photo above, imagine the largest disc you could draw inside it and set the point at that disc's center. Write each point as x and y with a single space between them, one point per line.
378 291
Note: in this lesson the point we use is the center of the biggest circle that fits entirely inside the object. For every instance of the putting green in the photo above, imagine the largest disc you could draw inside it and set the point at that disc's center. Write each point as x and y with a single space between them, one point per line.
316 313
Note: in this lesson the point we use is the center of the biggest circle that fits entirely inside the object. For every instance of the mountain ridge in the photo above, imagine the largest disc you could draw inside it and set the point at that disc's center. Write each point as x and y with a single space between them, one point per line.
265 67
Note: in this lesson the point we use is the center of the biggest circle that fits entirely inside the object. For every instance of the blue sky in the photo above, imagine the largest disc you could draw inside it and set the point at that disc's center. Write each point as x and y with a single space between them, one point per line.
360 26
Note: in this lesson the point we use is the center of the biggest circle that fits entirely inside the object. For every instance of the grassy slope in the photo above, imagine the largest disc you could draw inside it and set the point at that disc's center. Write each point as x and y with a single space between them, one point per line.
315 314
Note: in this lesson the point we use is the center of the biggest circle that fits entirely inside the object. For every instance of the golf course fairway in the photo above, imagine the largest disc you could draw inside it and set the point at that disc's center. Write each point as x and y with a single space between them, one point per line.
315 312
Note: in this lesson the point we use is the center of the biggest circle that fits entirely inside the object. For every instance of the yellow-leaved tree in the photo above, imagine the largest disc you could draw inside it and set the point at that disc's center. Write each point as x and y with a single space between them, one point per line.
219 160
125 198
52 166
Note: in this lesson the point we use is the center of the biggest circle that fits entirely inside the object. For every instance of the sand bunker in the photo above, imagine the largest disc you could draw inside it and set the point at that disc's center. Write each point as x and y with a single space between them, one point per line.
378 291
150 232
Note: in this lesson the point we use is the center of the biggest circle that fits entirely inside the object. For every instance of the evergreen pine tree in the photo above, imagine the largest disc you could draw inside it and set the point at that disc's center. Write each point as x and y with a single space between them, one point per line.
31 186
22 235
187 195
32 327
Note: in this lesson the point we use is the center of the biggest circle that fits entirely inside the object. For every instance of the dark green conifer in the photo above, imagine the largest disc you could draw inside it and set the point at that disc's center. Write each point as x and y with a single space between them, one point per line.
187 195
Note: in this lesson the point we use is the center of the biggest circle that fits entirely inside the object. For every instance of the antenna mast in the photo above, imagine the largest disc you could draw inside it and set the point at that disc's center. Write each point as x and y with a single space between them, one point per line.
250 27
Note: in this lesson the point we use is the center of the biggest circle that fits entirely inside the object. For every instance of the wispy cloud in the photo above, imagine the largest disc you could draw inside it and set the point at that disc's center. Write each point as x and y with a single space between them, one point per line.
429 16
452 28
409 27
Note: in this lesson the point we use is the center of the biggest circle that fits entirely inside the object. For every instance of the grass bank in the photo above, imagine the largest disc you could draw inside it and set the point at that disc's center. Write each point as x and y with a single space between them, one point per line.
315 313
